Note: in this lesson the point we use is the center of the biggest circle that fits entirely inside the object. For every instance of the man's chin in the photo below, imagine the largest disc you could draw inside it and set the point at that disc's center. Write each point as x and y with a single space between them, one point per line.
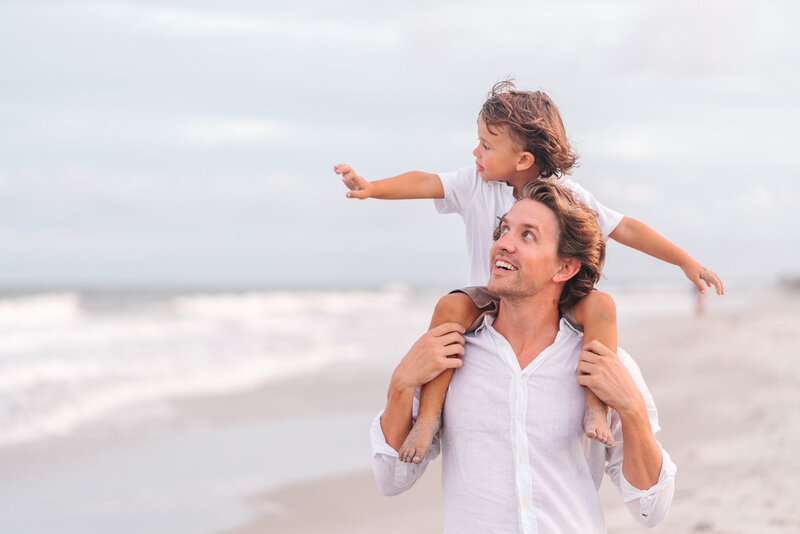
497 288
509 289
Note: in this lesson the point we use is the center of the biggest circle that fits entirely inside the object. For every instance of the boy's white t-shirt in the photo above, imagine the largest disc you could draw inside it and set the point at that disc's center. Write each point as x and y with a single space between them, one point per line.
480 203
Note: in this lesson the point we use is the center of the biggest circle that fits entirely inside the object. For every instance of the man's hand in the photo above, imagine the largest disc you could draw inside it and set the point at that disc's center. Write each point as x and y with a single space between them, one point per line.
435 351
602 371
438 349
359 187
699 274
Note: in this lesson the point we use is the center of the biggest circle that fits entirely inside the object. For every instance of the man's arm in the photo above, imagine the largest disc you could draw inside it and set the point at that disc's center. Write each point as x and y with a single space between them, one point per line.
603 372
641 469
636 234
409 185
435 351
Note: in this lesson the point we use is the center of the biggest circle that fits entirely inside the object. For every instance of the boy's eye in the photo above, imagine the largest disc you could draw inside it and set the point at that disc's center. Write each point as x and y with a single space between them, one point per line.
485 146
529 235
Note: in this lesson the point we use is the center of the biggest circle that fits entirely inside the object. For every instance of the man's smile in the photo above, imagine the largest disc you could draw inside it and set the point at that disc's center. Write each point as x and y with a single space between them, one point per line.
504 265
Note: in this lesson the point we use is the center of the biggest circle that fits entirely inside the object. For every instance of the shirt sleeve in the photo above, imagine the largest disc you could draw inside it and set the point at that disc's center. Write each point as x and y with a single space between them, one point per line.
460 188
649 506
392 475
608 218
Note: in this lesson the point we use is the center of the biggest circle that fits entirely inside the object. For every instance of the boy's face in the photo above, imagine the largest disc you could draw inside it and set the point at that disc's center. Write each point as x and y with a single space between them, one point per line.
497 154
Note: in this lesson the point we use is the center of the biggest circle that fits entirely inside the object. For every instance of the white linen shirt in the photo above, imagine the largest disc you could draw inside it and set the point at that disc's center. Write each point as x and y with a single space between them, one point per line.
515 458
480 203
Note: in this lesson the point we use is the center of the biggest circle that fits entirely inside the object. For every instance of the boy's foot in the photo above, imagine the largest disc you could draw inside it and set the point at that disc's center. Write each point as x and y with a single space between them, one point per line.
595 423
419 439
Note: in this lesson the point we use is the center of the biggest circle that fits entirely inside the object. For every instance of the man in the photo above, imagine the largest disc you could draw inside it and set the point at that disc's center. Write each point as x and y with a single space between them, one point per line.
514 455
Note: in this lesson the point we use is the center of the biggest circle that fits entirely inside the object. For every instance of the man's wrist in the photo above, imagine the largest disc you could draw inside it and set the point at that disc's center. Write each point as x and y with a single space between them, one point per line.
633 412
399 388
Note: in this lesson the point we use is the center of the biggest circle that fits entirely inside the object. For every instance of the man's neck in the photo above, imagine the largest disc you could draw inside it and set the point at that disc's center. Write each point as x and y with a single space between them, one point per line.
530 325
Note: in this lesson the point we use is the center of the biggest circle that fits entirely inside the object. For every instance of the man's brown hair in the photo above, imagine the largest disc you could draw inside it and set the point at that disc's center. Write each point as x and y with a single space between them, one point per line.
579 237
532 119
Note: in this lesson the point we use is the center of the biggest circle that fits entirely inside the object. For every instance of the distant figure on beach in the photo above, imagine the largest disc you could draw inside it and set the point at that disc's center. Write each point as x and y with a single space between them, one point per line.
521 140
514 455
700 307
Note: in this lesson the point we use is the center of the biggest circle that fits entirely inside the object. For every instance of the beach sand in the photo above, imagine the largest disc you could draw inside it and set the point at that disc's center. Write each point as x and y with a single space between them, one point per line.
726 386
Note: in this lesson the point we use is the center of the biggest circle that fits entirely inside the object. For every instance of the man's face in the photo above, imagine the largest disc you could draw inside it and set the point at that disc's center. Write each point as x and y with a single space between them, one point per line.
524 259
497 154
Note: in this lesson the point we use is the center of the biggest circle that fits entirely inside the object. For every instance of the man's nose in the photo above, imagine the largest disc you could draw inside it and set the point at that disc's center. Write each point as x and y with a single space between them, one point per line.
506 242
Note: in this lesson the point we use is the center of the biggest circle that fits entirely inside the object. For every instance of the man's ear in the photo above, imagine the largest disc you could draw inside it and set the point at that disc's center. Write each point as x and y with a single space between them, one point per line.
525 161
569 268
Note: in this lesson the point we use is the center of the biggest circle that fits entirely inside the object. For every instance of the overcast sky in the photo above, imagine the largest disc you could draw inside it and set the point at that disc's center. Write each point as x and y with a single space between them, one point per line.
191 142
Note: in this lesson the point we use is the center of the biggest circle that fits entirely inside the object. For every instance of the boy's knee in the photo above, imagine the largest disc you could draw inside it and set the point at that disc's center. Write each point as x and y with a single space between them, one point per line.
456 308
599 305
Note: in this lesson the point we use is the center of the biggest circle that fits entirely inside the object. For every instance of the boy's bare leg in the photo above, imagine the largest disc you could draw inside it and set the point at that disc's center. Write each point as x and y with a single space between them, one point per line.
452 308
598 315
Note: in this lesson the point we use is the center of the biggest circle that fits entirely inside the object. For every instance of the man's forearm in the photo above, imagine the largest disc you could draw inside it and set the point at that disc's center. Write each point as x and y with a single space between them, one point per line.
396 418
641 461
409 185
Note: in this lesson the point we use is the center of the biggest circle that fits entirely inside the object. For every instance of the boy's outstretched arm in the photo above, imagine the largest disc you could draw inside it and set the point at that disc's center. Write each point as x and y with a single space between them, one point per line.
636 234
414 184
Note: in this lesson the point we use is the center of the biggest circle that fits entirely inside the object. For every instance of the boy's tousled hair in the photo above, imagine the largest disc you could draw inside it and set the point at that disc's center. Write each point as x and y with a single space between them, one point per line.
533 120
579 237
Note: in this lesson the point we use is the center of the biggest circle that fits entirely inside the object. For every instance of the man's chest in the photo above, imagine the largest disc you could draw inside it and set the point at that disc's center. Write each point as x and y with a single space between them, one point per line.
489 397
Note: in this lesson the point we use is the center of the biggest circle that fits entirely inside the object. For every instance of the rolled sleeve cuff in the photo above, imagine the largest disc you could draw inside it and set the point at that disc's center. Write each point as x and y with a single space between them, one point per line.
654 501
391 475
379 445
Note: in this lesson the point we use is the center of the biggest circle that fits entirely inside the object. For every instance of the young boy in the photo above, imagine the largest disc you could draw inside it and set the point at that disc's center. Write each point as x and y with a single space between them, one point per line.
521 138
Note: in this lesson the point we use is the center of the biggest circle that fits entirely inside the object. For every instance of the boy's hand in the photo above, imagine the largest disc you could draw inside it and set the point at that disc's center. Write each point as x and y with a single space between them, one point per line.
699 274
359 187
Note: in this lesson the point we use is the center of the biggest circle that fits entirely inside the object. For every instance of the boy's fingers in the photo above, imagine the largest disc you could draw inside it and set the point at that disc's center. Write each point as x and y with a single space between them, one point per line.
698 283
711 278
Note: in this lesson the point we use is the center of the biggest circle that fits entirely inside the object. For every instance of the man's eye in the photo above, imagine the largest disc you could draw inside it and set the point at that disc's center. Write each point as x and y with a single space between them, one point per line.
529 235
504 230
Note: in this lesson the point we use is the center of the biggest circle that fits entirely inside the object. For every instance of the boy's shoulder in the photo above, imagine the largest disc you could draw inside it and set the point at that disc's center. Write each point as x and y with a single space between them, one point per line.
468 173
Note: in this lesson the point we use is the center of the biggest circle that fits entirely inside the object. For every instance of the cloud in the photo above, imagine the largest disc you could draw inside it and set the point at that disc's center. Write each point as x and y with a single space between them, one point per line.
184 22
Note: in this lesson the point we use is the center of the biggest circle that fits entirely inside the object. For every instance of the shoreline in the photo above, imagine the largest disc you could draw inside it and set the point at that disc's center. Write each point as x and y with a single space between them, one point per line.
293 455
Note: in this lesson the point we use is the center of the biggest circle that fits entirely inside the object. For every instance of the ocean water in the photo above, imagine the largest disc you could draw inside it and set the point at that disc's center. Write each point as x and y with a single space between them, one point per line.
75 362
68 359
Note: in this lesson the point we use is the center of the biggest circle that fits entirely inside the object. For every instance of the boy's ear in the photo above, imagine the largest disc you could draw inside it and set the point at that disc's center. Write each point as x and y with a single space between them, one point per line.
569 268
525 161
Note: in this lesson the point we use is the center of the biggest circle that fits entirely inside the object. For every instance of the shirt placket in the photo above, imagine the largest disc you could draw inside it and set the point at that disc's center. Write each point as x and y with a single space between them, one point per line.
523 474
523 470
